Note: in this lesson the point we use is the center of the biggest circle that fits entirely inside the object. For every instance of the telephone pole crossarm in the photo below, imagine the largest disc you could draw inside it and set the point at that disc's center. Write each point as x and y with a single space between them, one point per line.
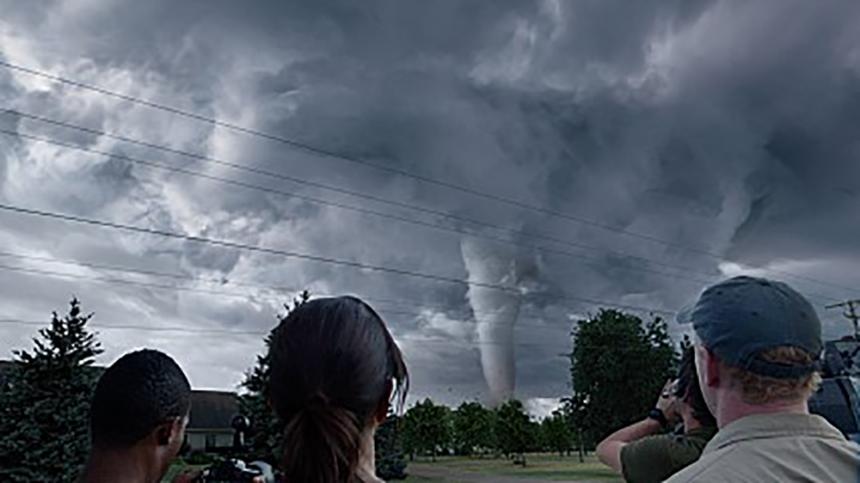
850 313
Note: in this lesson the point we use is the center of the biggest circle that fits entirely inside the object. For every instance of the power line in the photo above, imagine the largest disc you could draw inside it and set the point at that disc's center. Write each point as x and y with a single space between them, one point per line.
352 159
222 281
74 276
326 187
310 257
384 310
36 271
378 199
143 328
221 332
343 206
155 165
332 154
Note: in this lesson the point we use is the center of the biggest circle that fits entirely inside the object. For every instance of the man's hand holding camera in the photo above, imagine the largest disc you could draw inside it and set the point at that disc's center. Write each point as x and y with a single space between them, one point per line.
667 406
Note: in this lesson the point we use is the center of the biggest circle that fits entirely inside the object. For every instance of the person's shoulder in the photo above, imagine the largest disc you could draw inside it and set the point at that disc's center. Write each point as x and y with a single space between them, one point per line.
655 458
695 440
648 445
674 449
710 467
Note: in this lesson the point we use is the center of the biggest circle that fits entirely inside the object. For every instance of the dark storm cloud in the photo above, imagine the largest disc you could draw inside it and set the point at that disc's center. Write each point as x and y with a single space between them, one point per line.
724 126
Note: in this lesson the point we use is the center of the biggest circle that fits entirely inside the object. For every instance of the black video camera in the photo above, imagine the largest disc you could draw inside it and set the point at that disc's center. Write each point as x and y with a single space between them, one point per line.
236 471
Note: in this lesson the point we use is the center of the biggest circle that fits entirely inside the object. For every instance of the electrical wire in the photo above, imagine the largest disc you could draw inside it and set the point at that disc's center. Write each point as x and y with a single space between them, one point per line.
384 168
544 249
310 257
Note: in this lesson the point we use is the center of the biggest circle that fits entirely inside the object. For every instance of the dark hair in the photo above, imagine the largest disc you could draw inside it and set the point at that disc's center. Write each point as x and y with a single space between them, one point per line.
688 389
332 363
137 393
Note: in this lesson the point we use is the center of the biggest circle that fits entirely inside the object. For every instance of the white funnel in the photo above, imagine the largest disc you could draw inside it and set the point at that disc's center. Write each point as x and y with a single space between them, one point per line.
495 311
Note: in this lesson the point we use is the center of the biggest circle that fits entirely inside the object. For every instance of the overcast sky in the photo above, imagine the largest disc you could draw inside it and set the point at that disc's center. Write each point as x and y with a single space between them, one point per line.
684 141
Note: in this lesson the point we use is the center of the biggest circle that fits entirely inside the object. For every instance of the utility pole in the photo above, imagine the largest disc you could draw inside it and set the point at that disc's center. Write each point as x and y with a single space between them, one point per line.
850 313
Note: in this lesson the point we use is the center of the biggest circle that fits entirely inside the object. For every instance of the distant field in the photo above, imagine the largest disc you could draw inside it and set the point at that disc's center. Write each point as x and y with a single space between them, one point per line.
450 469
541 468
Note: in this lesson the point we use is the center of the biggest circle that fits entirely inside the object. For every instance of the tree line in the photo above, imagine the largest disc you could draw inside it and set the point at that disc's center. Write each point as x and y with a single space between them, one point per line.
617 365
472 429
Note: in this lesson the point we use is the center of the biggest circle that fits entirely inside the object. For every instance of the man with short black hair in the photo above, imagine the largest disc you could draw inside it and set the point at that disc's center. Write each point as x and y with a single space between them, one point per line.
137 419
757 348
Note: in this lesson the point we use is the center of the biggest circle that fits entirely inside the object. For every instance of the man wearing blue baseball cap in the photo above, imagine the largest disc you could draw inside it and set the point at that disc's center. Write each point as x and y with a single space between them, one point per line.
757 348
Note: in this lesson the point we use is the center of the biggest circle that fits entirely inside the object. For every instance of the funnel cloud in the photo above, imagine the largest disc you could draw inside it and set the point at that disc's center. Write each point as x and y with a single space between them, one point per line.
496 312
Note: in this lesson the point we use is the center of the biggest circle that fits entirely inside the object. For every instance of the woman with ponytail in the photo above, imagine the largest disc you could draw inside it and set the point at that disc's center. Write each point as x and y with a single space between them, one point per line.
335 370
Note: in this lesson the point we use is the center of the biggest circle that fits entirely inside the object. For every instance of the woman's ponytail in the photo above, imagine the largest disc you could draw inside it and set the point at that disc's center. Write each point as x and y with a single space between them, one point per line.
321 444
334 370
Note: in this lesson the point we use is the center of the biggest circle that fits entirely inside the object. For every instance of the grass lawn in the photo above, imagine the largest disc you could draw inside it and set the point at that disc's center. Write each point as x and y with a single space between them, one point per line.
450 469
540 467
177 468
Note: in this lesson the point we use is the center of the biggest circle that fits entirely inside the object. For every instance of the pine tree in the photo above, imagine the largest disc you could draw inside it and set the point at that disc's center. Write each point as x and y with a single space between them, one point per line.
44 402
266 429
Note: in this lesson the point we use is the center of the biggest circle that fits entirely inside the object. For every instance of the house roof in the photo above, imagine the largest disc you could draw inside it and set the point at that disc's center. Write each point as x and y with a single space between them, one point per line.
213 410
209 409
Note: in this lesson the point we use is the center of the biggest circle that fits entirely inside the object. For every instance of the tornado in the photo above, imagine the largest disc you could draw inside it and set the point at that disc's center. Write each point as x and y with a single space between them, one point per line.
496 312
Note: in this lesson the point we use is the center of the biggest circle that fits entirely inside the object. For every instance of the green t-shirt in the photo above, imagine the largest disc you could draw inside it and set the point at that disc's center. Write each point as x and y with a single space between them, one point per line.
656 458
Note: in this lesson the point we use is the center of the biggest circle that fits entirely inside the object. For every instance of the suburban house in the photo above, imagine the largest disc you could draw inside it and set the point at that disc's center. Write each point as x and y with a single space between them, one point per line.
210 425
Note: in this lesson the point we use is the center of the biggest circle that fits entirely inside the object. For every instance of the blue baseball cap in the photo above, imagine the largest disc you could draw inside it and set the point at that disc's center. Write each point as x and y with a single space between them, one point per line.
740 317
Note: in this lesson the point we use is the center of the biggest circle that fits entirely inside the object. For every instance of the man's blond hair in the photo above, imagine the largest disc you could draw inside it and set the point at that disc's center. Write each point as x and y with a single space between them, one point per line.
757 389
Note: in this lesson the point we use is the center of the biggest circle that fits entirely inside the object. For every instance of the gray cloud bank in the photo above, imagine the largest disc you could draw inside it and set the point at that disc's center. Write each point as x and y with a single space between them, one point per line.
727 127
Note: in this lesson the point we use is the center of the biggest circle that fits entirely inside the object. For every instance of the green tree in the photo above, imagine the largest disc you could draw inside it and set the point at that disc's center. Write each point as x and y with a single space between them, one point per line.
618 366
515 431
535 438
388 445
266 430
44 402
472 429
426 428
557 433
